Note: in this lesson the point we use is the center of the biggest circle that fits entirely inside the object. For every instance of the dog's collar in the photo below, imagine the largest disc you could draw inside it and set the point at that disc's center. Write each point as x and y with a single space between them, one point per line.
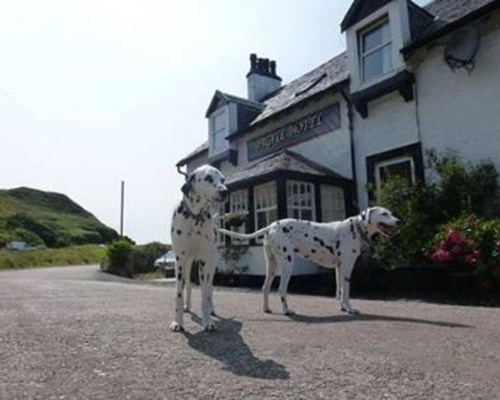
199 217
363 232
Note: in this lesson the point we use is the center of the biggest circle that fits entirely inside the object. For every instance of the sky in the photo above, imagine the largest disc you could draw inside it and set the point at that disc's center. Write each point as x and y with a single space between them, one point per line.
95 92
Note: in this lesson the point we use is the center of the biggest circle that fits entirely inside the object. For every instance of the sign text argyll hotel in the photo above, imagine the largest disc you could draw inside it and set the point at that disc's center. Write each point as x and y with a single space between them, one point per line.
306 128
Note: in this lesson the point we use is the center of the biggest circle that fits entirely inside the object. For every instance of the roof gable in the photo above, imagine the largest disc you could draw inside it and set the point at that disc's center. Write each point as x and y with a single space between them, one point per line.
360 9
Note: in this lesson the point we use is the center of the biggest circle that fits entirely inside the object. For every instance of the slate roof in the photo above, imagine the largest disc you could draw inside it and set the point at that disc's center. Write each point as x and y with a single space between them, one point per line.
285 161
452 10
195 153
318 80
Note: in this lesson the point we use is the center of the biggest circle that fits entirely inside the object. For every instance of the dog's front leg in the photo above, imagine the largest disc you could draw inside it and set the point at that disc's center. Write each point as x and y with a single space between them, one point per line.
206 275
345 280
178 324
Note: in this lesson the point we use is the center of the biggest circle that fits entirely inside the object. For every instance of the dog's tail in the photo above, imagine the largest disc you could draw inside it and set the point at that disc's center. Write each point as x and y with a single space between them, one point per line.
244 236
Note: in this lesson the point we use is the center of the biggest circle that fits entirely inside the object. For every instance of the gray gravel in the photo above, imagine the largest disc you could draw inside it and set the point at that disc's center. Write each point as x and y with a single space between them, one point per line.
75 333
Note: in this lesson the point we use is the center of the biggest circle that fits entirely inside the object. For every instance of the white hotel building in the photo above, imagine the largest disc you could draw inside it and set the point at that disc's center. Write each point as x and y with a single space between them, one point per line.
412 78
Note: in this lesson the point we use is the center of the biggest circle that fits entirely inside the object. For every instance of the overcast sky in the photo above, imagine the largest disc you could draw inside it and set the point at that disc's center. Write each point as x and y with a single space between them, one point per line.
93 92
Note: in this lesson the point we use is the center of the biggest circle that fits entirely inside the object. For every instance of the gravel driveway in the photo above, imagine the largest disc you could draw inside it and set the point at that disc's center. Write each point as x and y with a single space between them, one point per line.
76 333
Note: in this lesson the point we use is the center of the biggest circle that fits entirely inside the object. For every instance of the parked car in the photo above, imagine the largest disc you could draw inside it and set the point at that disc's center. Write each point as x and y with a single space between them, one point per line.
18 246
166 261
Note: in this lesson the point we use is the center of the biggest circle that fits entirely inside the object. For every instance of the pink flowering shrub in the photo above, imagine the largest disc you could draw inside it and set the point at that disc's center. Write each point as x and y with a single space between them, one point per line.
469 242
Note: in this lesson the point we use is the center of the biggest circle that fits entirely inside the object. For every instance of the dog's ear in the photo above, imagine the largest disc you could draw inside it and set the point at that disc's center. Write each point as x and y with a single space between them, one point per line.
188 186
368 215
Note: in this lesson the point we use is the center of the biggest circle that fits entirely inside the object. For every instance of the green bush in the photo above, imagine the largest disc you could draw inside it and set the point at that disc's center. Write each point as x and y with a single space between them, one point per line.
127 260
455 189
117 255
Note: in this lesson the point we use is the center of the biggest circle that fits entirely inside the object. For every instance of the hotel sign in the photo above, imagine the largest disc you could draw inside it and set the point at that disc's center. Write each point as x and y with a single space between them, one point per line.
306 128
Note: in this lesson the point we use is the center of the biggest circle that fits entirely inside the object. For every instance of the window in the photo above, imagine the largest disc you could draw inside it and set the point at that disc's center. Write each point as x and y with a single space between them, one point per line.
266 205
219 132
219 223
375 51
238 202
332 203
300 200
403 167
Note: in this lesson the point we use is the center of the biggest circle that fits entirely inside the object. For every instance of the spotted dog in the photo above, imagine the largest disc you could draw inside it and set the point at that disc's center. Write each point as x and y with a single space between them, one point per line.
194 240
331 245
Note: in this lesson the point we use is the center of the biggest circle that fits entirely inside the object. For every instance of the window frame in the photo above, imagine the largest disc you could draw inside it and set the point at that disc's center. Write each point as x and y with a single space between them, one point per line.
267 209
243 205
213 132
364 54
312 201
393 161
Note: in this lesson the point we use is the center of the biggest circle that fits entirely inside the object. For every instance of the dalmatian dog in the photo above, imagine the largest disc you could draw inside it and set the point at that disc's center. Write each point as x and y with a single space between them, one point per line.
194 240
331 245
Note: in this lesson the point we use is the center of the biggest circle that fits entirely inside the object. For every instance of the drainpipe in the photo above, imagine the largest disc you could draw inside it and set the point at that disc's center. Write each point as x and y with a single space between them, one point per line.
350 116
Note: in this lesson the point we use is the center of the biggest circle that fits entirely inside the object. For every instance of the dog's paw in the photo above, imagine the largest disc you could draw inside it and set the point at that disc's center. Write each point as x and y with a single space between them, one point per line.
267 311
209 327
353 311
175 327
289 312
187 309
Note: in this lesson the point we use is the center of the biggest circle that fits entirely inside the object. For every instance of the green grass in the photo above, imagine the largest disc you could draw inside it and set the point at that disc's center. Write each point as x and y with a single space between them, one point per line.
44 257
46 218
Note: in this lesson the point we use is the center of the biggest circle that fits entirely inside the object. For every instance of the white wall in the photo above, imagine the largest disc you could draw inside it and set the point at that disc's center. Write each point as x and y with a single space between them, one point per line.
391 124
461 111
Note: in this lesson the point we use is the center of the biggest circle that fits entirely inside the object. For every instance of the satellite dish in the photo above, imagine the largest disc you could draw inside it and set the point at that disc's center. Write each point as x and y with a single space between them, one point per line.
462 48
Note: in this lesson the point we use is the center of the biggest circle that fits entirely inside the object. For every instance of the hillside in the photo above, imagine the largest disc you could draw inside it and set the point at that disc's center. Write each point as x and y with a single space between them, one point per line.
46 218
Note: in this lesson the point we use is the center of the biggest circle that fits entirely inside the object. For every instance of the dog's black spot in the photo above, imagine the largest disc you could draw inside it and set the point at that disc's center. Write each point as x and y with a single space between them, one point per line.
202 263
179 232
313 251
198 232
183 253
289 258
296 250
285 229
179 295
320 241
337 244
179 276
177 258
283 299
354 251
348 280
202 278
284 249
306 235
306 256
330 249
339 254
209 179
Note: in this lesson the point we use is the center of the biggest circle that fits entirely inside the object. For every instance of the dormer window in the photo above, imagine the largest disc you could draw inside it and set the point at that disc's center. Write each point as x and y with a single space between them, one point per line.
220 130
375 48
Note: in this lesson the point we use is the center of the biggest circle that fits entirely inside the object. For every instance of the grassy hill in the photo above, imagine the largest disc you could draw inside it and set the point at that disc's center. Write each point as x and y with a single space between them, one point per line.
50 219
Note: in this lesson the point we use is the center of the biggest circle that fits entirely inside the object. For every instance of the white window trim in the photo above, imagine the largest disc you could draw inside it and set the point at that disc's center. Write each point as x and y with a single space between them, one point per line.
264 209
291 207
222 112
362 55
393 161
236 204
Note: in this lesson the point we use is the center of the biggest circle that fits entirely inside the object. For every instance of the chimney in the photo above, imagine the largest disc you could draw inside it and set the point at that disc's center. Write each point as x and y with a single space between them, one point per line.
262 78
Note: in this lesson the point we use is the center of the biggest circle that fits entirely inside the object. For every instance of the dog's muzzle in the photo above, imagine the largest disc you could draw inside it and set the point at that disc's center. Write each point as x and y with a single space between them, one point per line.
222 195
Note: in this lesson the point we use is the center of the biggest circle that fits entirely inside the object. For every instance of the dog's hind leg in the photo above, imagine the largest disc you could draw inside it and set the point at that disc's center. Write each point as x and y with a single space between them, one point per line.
271 269
286 274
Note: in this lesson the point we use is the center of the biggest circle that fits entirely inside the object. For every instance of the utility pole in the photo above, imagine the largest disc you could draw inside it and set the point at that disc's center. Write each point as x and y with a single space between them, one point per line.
121 208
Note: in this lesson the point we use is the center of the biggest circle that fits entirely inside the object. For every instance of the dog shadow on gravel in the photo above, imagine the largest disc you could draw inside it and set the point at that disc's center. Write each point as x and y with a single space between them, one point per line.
227 346
374 317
